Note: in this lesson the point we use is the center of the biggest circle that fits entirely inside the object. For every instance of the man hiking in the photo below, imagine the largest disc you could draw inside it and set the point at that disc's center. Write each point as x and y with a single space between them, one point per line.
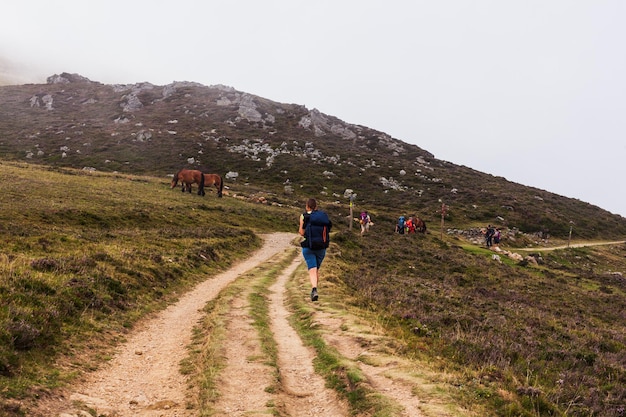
315 228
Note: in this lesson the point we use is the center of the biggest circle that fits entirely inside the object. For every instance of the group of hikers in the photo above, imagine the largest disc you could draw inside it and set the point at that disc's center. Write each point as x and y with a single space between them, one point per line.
315 227
492 236
404 225
411 224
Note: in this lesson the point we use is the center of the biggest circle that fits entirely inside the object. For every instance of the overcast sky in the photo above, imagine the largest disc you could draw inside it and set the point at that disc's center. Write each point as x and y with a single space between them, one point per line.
533 91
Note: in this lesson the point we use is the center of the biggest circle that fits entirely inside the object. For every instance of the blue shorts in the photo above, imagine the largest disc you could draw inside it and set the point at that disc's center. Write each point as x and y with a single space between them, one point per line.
313 258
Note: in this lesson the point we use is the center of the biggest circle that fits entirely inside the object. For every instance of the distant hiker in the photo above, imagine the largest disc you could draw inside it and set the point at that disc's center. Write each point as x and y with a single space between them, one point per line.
496 236
401 225
410 225
489 235
365 221
315 228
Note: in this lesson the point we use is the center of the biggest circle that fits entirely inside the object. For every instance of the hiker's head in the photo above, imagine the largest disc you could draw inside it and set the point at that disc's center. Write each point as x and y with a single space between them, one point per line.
311 204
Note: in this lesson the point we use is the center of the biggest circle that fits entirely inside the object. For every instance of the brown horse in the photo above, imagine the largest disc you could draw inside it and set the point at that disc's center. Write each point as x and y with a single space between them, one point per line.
188 177
216 181
420 225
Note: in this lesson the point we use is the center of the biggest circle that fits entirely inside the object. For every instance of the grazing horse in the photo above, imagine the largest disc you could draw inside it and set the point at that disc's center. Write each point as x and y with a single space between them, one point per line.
187 177
216 181
420 225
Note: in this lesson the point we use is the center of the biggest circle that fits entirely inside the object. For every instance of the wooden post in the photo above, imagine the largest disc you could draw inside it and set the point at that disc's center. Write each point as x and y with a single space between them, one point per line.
443 214
570 236
351 216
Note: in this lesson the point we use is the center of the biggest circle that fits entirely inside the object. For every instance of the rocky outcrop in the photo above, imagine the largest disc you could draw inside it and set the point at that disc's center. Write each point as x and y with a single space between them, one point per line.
66 78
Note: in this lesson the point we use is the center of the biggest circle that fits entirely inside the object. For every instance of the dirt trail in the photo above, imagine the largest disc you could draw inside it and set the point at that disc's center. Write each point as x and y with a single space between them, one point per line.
244 381
572 245
143 379
305 394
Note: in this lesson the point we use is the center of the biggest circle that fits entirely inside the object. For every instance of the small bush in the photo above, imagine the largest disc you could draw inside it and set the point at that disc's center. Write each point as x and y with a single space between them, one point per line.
45 264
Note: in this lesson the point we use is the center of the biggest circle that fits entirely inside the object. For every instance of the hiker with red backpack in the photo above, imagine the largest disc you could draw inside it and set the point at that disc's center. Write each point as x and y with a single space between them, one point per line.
315 228
410 225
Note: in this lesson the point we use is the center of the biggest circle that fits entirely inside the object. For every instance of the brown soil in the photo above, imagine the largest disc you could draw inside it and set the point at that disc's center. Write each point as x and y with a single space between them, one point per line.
144 378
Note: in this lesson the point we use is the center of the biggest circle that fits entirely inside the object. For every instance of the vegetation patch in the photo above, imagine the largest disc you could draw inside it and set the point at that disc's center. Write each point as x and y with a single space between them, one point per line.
74 283
541 340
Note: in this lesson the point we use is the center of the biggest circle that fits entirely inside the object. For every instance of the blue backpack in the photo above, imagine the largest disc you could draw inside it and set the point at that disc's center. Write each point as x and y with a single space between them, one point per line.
401 225
317 227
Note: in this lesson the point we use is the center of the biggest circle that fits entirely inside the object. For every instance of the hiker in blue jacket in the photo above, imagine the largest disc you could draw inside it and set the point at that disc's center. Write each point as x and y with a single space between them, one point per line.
315 228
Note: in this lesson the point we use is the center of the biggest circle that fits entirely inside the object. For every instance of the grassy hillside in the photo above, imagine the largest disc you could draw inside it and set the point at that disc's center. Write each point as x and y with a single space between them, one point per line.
533 340
86 254
145 129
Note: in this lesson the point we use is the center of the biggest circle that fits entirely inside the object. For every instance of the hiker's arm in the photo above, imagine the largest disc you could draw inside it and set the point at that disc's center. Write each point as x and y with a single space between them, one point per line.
301 229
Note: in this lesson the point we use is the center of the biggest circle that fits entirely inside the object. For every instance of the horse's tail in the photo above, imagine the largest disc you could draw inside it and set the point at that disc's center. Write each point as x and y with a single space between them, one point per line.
219 193
201 185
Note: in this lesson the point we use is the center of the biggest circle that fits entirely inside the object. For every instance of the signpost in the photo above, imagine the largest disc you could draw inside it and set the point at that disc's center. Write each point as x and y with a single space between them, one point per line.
351 216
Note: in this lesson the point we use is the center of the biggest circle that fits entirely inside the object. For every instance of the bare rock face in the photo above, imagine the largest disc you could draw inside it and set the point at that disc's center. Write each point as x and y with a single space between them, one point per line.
248 110
66 78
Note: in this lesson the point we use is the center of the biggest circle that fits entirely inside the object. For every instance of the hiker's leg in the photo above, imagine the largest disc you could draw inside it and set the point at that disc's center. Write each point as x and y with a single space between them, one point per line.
312 263
313 277
319 258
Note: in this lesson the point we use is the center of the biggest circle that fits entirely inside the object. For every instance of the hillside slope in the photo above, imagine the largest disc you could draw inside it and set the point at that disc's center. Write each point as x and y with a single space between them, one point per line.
286 150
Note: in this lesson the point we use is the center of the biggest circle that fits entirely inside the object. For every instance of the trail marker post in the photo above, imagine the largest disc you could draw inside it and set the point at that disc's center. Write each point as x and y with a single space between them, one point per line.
443 214
569 239
351 215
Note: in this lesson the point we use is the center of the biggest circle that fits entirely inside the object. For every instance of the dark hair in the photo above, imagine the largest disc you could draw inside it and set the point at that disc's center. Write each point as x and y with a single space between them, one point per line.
311 203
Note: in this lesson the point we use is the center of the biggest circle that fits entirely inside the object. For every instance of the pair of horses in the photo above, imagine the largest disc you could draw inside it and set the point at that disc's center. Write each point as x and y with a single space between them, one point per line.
188 177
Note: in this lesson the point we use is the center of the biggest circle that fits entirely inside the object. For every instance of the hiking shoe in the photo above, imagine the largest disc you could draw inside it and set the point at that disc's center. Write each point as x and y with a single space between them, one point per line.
314 294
